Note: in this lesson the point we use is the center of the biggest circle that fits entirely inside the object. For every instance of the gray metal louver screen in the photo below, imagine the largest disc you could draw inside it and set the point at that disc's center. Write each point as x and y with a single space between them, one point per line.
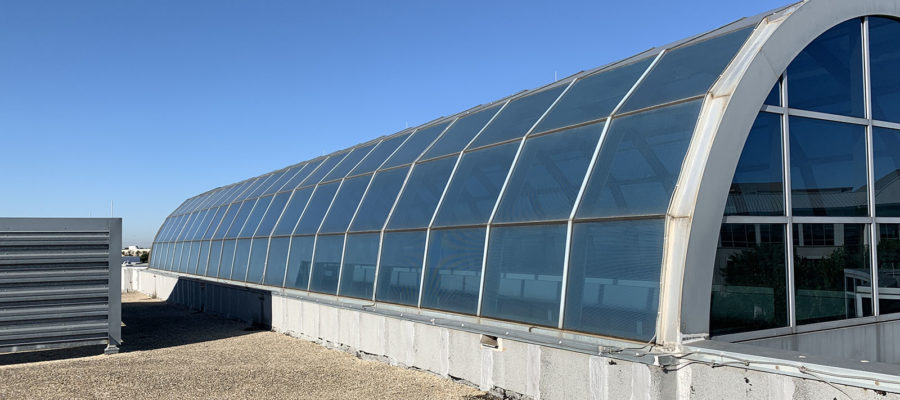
60 283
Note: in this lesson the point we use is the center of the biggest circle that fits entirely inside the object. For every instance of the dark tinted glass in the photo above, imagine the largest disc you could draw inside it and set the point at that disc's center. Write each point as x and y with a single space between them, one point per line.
758 184
548 175
272 213
316 209
889 268
827 75
348 163
380 153
613 285
594 97
518 117
345 203
378 201
886 145
415 145
241 260
293 211
639 162
401 264
299 261
327 264
258 249
326 167
277 261
774 97
240 218
360 257
215 252
749 289
687 71
828 168
453 270
460 133
884 54
227 259
259 209
475 186
831 272
523 277
420 196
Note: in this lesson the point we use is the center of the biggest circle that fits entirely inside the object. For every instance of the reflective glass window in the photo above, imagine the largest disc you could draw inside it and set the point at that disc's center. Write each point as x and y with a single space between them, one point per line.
274 183
349 162
267 224
301 175
594 97
758 184
886 145
460 133
827 75
277 261
264 183
278 185
240 218
517 118
186 227
185 254
453 270
293 211
687 71
345 203
523 276
360 258
828 168
215 252
401 264
241 260
472 193
548 175
204 258
246 194
201 221
323 169
258 249
380 153
173 255
227 259
639 162
316 209
194 259
327 264
239 190
749 289
299 261
374 209
884 53
832 277
410 150
889 268
227 220
214 223
774 97
420 196
259 209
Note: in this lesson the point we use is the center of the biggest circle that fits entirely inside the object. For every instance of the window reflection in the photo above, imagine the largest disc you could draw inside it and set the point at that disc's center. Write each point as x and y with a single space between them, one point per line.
453 270
886 145
299 261
401 264
327 264
757 186
889 268
358 271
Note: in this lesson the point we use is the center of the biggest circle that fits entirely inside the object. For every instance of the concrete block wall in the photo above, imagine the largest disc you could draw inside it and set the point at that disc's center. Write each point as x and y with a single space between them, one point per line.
514 370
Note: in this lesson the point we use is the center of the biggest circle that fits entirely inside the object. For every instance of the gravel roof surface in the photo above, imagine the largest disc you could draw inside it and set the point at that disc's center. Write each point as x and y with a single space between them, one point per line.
173 353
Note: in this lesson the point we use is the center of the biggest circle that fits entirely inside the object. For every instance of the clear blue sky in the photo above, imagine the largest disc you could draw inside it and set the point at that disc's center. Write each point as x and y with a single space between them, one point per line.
146 103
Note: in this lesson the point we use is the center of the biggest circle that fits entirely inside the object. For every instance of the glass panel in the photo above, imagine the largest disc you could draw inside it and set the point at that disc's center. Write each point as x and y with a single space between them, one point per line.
758 184
886 145
774 97
215 252
749 287
277 263
272 214
453 270
345 204
323 169
263 185
460 133
250 189
227 220
420 196
293 211
214 223
194 258
173 255
831 272
204 258
518 117
259 209
239 190
828 168
523 277
687 71
475 186
299 262
241 259
360 257
613 285
349 162
316 209
302 174
201 221
279 180
227 259
327 264
412 148
258 250
377 156
188 223
378 201
889 268
240 219
185 256
884 54
401 264
639 162
548 175
827 75
594 97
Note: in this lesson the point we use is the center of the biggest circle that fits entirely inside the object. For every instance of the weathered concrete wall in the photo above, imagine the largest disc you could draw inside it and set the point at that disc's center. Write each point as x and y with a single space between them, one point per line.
514 370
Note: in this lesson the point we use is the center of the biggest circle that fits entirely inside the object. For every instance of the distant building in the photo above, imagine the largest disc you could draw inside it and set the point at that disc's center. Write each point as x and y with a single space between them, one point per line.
134 251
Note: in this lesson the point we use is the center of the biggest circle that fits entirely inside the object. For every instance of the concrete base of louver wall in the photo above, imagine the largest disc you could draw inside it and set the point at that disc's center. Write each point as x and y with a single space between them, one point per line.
514 370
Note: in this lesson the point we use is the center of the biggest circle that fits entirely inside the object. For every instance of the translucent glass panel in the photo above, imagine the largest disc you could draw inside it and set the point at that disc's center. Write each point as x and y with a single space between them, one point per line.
316 209
345 203
827 75
410 150
416 204
374 209
379 154
548 175
277 261
293 211
401 266
828 168
832 273
348 163
258 249
517 118
886 146
889 268
613 285
259 209
267 224
758 184
460 133
299 262
639 162
523 278
687 71
594 97
884 56
326 167
749 290
327 264
473 191
358 269
453 270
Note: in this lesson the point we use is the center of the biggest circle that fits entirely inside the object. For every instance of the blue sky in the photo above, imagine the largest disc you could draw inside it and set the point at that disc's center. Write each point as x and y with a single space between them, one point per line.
146 103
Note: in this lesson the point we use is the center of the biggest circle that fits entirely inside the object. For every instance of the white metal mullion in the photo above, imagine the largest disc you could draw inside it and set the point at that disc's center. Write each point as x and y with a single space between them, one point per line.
788 203
870 167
